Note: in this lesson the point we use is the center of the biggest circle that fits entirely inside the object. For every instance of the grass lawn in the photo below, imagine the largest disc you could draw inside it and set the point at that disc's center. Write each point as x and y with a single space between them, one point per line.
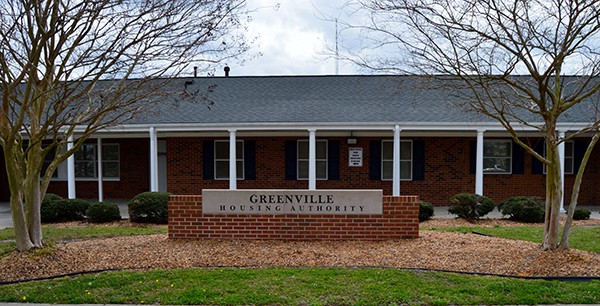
298 286
52 234
582 237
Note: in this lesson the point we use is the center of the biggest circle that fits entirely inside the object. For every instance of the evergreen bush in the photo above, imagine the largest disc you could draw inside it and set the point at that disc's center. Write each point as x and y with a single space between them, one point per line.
523 209
581 214
470 206
57 209
103 212
149 207
425 211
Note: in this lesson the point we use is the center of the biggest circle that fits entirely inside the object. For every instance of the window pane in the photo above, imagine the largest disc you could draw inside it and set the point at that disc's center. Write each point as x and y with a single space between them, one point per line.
387 172
321 150
85 169
110 152
110 169
496 149
405 150
405 170
303 149
321 169
221 150
568 149
569 165
222 169
498 165
85 152
387 150
303 169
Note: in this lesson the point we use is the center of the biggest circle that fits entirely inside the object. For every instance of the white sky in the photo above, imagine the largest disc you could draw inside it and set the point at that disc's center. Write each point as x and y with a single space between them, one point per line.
291 38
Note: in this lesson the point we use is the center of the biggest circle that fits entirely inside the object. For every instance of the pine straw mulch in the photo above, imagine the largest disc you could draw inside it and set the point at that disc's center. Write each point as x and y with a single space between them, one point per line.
432 250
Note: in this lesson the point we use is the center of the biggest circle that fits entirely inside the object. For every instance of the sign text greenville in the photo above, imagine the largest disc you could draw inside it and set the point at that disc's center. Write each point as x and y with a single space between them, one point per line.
344 202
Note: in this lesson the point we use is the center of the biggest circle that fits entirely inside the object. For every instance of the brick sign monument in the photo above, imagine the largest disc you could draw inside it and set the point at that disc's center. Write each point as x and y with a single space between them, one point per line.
293 215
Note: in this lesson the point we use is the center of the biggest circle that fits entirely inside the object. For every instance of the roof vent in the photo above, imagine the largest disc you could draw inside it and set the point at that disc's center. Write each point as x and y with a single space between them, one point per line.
227 69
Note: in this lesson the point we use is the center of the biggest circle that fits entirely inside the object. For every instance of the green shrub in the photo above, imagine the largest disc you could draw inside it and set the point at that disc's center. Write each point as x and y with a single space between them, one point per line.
425 211
581 214
523 209
57 209
51 197
102 212
470 206
149 207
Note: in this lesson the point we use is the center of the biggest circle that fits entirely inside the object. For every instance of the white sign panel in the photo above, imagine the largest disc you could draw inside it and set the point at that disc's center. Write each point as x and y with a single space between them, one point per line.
329 202
355 157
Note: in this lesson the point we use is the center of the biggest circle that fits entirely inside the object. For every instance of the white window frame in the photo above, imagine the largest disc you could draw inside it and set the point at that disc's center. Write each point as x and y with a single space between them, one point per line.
326 159
411 160
95 161
240 176
572 157
510 158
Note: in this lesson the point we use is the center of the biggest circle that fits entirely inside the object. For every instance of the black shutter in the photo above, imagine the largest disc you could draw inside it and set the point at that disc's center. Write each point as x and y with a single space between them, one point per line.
249 160
290 160
472 157
518 159
208 160
333 163
537 167
375 160
418 160
579 148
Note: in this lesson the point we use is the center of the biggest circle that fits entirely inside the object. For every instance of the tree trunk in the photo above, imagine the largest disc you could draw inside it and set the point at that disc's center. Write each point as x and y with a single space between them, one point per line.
23 240
553 197
564 241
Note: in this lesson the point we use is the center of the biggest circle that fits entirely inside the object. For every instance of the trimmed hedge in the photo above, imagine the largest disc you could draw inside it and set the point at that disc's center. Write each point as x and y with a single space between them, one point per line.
523 209
149 207
581 214
470 206
425 211
57 209
103 212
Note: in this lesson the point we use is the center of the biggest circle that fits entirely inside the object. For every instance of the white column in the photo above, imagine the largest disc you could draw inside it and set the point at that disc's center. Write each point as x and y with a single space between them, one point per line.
312 159
71 170
479 164
561 155
396 163
100 176
232 161
153 160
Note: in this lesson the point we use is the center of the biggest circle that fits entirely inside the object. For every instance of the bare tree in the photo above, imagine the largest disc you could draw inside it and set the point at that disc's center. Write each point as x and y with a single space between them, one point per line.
72 67
512 55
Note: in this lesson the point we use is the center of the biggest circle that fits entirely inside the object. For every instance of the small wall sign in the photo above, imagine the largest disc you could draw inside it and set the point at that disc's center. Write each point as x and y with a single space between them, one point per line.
355 157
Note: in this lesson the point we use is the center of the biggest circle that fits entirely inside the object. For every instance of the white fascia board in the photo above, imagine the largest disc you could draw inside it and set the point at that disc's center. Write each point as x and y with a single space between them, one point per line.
328 126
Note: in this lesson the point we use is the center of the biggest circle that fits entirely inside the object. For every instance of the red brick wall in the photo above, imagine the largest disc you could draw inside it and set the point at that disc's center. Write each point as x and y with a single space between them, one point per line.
134 178
446 172
399 220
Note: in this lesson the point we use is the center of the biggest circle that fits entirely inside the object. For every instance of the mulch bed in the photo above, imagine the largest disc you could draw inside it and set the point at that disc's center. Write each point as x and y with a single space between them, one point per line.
432 250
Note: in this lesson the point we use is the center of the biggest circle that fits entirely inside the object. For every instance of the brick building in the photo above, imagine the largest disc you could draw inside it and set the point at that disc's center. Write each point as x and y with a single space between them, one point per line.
318 132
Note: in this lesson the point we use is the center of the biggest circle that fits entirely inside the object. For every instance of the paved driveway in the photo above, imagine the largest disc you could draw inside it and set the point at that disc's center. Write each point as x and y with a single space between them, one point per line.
5 218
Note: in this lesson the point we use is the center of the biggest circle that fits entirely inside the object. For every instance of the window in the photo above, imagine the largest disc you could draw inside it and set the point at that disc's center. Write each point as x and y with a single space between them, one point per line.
569 157
387 160
321 157
86 164
222 159
497 156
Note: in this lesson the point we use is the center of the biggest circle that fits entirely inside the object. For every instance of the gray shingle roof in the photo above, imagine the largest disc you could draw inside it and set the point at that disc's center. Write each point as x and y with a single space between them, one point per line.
323 99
